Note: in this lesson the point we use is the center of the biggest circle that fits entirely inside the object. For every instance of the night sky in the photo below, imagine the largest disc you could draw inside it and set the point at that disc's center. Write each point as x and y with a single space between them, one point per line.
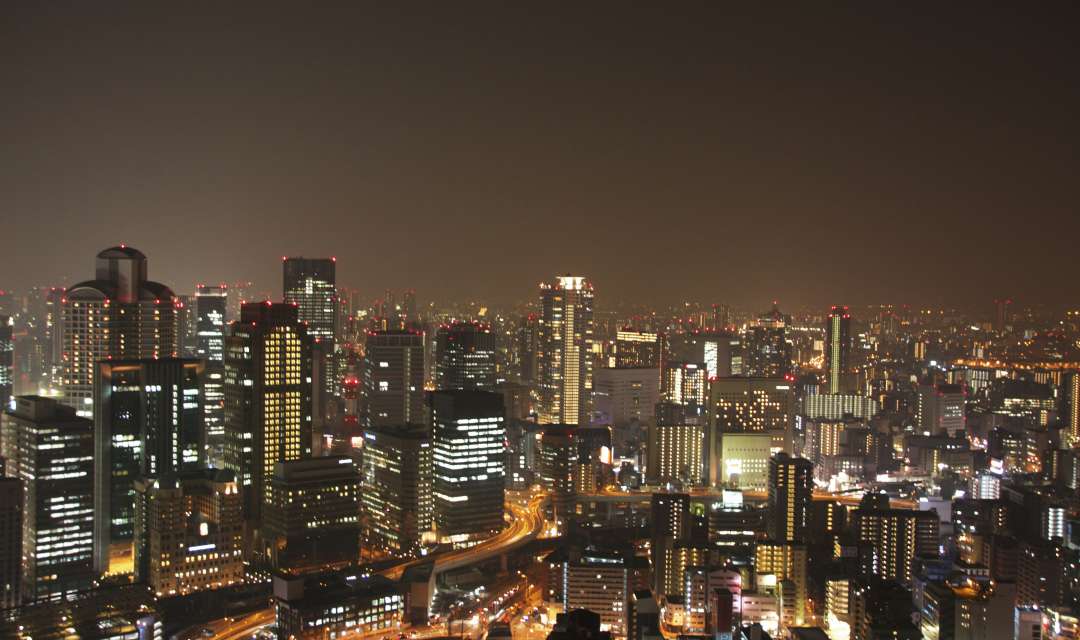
907 152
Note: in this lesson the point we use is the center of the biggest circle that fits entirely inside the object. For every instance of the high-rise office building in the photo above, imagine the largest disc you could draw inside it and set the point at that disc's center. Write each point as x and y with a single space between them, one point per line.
465 357
7 360
720 352
566 362
147 422
51 450
469 462
528 349
267 397
189 531
311 518
211 307
685 383
558 467
791 485
40 353
311 284
599 581
11 526
187 326
838 351
942 409
639 349
118 315
767 352
239 293
393 378
751 405
397 500
624 395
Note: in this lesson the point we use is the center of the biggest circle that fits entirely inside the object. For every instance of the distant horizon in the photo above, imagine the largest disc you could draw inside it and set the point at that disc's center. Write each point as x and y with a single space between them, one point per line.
603 302
740 154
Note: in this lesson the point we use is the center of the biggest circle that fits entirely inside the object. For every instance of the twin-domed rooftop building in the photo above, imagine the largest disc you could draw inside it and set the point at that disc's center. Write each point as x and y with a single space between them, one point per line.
119 314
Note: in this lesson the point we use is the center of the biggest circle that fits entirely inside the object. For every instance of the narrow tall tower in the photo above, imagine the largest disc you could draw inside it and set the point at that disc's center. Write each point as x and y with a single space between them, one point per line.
267 397
838 350
566 336
311 284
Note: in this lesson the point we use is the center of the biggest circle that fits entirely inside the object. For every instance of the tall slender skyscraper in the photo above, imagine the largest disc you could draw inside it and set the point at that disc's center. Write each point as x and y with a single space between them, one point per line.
7 352
119 315
211 305
147 422
51 450
267 397
791 484
838 350
393 378
311 284
465 356
566 336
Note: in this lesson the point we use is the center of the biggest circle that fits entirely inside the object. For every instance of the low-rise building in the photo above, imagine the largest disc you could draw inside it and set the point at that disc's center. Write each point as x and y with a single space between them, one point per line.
188 531
333 604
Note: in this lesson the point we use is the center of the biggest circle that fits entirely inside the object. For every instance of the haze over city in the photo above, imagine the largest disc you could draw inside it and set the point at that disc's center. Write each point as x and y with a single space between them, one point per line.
862 153
503 321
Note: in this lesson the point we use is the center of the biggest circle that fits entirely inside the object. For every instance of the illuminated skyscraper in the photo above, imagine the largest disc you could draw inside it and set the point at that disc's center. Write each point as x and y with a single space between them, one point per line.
396 500
465 357
147 422
393 378
51 450
637 349
752 405
119 315
311 284
838 351
897 536
566 336
469 462
1072 404
267 397
791 484
685 383
211 305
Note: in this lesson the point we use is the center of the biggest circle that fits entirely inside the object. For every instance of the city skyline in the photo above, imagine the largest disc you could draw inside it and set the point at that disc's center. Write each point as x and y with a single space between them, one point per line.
497 321
735 141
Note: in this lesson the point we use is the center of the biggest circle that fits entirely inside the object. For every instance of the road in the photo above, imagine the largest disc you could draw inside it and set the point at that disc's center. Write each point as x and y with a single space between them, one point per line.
240 628
526 524
610 495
